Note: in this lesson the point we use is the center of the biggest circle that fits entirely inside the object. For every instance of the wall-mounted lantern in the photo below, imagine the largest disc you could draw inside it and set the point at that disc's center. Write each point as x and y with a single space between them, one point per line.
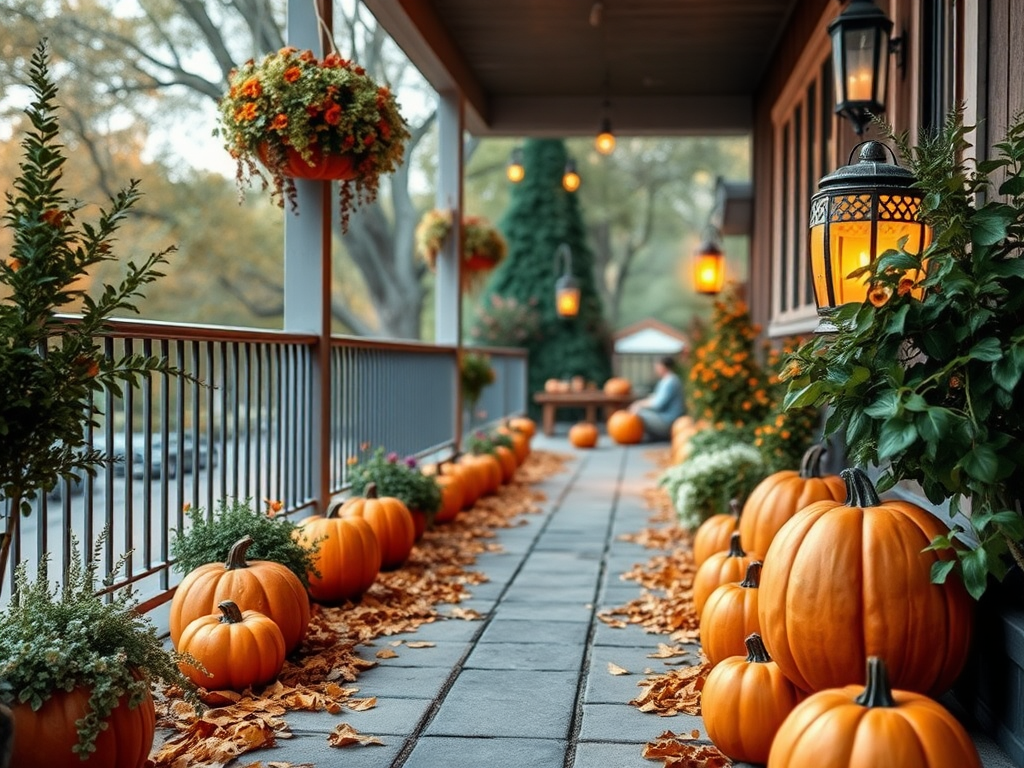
709 265
861 211
514 171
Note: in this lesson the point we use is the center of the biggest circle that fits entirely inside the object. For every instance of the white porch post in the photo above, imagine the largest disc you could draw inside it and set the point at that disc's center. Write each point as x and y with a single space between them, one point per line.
307 272
447 294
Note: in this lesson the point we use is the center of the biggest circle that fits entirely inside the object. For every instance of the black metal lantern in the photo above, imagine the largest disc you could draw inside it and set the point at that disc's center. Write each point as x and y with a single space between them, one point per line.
515 172
567 290
861 44
861 211
709 265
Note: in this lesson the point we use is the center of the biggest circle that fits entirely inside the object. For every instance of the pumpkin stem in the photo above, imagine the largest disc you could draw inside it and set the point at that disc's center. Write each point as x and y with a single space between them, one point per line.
735 548
236 555
232 614
756 652
810 464
371 491
735 509
859 490
753 578
878 692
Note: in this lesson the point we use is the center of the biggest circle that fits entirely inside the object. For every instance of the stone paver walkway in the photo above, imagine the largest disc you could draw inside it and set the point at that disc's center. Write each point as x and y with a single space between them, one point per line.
528 686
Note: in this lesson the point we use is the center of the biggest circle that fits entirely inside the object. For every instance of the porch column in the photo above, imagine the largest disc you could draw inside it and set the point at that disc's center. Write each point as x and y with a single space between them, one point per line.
307 275
447 294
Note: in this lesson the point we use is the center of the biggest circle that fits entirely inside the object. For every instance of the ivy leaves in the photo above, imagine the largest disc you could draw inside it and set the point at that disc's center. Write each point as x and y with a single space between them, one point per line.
930 388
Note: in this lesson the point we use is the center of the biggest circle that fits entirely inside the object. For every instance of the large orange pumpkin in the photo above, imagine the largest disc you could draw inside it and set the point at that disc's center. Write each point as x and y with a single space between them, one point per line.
520 442
488 471
744 701
238 649
625 428
713 534
583 435
44 738
348 559
780 496
842 582
255 585
871 726
721 568
617 385
391 520
729 616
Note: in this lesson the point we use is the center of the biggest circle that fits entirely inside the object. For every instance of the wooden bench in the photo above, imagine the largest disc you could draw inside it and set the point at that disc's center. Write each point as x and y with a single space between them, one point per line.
589 399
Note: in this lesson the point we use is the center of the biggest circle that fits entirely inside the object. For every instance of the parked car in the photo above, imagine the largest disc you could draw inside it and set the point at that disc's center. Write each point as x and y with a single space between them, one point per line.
157 454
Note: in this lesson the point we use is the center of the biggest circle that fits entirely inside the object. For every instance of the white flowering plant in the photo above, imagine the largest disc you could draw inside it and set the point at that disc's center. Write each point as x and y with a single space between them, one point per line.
703 485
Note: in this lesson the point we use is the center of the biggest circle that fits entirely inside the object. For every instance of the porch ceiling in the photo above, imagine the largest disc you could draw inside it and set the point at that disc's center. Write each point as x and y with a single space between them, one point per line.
541 67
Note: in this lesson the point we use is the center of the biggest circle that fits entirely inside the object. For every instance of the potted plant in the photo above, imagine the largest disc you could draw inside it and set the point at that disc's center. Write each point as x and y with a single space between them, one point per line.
52 368
76 670
475 373
292 115
483 247
399 478
930 388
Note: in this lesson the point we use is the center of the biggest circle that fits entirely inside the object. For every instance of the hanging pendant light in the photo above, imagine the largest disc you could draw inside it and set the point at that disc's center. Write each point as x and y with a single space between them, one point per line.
861 211
605 140
570 178
514 171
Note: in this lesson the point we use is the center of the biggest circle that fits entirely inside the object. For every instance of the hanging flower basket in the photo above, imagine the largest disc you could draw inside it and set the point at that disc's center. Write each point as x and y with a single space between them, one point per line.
295 116
483 247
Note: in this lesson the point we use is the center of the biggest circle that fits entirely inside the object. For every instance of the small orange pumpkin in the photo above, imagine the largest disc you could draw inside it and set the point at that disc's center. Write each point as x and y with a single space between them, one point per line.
721 568
855 579
744 702
714 533
524 424
781 495
453 495
488 470
730 615
583 435
391 520
625 428
239 649
520 442
255 585
617 385
869 726
348 559
507 459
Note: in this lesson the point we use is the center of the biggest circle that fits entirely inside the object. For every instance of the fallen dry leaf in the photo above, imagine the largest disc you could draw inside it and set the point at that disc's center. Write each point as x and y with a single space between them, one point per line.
345 735
676 691
668 651
678 751
421 644
386 653
615 669
361 705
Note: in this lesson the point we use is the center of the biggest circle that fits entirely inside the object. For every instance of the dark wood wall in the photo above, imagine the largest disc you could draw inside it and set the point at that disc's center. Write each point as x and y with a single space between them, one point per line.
1004 80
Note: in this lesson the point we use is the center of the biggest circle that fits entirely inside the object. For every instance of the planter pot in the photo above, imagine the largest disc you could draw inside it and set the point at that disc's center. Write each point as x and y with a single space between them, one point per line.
324 167
44 739
478 263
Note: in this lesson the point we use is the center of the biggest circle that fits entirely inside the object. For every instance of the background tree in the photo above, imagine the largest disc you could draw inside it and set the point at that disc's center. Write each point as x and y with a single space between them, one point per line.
170 59
540 217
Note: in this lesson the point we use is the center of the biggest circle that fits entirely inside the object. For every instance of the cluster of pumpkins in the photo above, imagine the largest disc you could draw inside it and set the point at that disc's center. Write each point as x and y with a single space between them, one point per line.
623 427
826 633
239 619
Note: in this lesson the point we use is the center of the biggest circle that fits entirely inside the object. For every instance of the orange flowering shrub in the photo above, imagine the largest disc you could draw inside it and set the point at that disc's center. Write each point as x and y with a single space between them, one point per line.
726 383
293 101
784 434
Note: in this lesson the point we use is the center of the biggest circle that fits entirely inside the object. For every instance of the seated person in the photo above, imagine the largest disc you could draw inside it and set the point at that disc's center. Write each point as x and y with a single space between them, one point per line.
664 405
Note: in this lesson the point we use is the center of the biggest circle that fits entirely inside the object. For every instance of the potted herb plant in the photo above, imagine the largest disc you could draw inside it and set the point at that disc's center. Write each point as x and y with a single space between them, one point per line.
76 670
930 388
51 367
475 373
400 478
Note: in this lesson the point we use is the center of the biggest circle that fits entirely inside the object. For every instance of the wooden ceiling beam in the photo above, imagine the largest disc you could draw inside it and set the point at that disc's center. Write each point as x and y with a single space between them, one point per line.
416 29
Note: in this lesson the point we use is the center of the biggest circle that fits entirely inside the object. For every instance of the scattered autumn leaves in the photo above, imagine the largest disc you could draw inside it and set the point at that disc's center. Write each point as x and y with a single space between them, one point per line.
666 607
320 676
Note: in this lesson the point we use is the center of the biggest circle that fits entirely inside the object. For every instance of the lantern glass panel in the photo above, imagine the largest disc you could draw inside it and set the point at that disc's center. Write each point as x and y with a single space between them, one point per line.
708 272
567 302
861 53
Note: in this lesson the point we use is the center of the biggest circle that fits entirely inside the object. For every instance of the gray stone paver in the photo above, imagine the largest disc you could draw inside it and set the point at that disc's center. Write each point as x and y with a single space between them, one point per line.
528 685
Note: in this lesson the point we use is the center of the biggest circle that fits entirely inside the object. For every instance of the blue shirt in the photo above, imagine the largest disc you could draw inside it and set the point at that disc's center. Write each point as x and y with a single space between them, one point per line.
667 398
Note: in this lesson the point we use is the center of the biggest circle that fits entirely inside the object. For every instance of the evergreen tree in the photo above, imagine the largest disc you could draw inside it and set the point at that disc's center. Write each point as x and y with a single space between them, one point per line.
540 217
